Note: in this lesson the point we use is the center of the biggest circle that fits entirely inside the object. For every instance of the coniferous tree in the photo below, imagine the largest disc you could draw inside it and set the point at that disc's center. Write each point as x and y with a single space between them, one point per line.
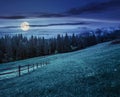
18 47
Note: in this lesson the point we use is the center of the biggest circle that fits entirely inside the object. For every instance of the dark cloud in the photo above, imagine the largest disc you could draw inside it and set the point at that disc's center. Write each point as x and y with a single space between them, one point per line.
12 17
47 25
60 24
10 27
50 15
94 7
35 15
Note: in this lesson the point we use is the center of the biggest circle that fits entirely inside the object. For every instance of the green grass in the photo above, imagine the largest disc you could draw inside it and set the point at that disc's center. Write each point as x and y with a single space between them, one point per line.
92 72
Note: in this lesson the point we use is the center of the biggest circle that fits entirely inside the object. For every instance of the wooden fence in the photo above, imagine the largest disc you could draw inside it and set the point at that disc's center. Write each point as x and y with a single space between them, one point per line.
19 69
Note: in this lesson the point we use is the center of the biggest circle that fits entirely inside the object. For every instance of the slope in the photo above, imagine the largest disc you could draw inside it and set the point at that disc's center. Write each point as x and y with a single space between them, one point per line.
92 72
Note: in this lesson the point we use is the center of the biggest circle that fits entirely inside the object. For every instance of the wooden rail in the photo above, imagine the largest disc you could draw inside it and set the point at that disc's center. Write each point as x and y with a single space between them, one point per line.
19 69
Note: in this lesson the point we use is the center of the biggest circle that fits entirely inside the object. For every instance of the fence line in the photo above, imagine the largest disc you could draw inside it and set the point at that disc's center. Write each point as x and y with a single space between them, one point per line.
19 69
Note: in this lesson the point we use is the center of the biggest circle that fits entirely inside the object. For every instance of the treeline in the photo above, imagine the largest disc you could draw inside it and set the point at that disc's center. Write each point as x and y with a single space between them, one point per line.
19 47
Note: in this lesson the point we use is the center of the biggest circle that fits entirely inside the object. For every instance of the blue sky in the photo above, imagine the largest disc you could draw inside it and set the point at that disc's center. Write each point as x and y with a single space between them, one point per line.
31 6
82 8
58 16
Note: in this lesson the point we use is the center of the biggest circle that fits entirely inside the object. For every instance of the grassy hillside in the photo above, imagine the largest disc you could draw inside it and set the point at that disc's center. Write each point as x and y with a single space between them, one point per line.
92 72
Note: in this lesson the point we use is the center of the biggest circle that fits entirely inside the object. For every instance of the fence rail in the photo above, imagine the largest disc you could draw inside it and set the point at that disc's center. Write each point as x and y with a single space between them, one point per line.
19 69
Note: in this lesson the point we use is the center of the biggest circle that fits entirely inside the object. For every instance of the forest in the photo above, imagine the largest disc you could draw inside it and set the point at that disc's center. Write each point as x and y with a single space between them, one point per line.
20 47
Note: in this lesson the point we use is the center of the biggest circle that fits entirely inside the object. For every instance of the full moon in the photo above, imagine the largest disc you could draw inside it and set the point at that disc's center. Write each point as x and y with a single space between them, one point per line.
25 26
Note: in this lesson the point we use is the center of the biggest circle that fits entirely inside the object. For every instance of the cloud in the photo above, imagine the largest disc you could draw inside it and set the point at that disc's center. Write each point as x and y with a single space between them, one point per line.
35 15
94 7
13 17
48 15
10 27
89 8
60 24
47 25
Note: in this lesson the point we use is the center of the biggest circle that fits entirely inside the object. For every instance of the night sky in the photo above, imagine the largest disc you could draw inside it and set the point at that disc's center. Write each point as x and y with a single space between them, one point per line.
58 14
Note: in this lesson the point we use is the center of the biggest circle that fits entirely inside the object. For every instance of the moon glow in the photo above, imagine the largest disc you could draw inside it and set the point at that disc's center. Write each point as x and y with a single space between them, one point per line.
25 26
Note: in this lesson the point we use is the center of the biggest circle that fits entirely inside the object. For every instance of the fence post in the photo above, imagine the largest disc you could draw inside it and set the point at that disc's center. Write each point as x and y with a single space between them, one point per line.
28 68
19 71
37 65
41 64
33 67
